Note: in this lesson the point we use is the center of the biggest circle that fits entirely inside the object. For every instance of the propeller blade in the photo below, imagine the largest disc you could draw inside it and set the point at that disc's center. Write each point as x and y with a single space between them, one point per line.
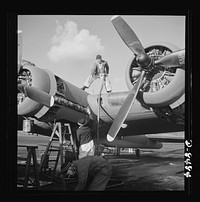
37 95
19 34
127 35
124 110
173 59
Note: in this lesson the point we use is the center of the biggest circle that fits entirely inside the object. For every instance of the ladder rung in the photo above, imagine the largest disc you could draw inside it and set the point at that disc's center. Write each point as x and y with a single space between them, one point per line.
55 138
53 149
52 160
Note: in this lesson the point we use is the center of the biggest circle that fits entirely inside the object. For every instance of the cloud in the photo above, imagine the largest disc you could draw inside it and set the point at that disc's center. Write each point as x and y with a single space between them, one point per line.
70 43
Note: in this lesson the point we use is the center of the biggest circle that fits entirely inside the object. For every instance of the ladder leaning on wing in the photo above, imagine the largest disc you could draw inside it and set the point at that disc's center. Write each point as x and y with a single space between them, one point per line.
58 136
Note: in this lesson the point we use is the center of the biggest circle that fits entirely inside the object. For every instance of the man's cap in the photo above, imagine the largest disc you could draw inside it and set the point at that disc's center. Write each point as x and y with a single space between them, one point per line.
83 120
98 57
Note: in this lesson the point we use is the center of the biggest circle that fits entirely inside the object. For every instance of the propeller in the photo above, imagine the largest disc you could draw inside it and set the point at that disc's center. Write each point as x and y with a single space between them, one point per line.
50 100
37 95
127 34
176 58
124 110
144 61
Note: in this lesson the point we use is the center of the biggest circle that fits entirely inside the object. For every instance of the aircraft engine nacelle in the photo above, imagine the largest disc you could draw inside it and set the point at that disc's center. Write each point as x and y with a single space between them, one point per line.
165 92
38 78
70 99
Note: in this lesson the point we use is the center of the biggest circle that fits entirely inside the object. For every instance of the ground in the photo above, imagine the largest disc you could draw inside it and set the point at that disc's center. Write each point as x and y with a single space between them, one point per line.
154 170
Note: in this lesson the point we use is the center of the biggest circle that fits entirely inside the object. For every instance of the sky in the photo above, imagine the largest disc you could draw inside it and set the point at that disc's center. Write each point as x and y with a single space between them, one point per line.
68 44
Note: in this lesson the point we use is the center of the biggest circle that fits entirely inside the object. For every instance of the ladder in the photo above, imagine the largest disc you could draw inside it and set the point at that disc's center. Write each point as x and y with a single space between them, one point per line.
31 149
58 135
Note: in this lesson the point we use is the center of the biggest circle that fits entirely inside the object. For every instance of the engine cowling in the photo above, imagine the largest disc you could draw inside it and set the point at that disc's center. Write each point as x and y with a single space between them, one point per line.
36 77
164 93
70 99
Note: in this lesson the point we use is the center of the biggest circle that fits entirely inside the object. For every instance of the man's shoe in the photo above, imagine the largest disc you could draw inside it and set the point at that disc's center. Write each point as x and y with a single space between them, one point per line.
109 91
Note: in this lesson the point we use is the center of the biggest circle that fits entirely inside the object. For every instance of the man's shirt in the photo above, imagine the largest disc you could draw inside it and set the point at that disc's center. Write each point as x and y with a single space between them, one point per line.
84 134
100 68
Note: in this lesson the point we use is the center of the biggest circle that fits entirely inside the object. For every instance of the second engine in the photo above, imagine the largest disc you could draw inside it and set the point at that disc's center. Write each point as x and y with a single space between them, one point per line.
162 91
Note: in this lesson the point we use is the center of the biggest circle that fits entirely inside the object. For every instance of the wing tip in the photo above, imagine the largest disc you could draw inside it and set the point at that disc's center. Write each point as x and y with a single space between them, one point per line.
109 138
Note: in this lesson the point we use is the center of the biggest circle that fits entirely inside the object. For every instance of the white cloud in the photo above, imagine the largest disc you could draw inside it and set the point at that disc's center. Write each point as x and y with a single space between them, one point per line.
70 43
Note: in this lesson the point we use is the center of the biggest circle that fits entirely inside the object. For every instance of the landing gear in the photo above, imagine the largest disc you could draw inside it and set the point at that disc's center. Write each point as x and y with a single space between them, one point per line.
137 152
117 151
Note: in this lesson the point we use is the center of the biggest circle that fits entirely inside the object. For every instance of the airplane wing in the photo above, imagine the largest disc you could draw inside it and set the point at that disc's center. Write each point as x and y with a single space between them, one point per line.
178 137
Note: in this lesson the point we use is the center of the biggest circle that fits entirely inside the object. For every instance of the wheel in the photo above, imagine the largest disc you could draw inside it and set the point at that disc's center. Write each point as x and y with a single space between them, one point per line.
117 151
137 152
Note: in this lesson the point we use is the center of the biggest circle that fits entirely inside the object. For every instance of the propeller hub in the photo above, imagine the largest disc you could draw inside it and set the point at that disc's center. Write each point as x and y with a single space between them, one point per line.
144 60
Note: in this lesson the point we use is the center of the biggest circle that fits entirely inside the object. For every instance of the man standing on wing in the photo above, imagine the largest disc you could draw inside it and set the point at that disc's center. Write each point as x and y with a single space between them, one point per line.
99 70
